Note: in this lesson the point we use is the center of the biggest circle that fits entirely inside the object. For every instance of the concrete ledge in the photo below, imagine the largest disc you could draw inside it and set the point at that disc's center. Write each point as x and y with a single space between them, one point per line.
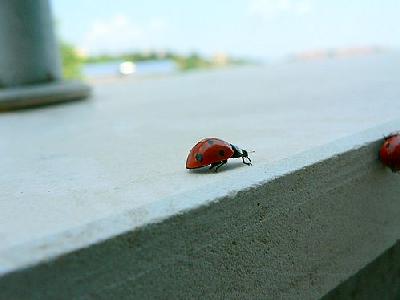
42 94
88 208
295 232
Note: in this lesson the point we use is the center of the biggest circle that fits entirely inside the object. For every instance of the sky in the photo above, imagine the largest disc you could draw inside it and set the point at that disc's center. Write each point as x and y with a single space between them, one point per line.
264 29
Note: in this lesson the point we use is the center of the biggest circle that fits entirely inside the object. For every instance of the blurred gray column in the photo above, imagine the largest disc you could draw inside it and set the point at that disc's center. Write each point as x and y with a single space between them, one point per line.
30 67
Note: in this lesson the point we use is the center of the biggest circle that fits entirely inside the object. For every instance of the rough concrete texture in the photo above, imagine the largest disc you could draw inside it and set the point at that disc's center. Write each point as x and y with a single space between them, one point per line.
379 280
295 237
80 173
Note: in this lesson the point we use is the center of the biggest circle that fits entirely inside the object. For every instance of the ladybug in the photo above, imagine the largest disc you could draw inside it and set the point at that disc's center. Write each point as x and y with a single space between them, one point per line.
390 152
214 152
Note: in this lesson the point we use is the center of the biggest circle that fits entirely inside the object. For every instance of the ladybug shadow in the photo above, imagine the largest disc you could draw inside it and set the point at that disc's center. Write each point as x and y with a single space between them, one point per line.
227 167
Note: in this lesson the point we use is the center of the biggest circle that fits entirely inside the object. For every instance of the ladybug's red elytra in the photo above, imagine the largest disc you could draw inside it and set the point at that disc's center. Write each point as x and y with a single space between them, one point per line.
214 152
390 152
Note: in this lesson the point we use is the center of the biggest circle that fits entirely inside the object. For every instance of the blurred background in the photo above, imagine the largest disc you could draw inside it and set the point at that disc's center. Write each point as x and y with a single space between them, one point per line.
109 39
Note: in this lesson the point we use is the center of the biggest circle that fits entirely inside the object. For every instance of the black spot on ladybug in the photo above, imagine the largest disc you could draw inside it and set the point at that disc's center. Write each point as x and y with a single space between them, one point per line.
222 153
210 142
199 157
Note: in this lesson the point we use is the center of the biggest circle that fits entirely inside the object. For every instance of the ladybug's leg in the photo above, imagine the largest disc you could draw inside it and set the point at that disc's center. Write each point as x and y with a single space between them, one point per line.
245 162
214 165
220 164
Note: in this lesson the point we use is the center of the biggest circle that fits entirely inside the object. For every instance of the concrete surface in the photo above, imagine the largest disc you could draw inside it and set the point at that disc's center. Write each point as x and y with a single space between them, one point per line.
293 237
81 173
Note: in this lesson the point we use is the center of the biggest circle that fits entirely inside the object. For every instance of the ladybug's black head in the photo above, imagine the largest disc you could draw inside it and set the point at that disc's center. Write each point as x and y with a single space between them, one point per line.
237 152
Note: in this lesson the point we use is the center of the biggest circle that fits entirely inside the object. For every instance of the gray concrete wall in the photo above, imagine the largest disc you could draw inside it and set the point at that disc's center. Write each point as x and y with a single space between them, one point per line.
295 237
28 48
379 280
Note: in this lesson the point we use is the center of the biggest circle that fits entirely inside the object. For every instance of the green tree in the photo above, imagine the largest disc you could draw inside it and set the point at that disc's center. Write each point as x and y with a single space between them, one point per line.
71 62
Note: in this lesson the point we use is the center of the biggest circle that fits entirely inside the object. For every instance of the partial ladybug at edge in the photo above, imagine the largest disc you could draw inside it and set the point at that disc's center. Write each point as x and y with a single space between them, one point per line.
389 153
214 152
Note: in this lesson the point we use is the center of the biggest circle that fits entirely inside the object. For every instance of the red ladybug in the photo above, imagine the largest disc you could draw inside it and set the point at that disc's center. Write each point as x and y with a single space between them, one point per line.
214 152
390 152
